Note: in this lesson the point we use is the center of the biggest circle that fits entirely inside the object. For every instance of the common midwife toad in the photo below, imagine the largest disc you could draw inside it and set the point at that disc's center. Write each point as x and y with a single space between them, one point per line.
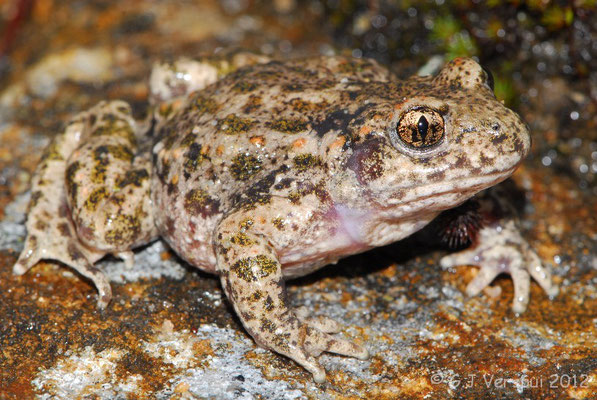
258 171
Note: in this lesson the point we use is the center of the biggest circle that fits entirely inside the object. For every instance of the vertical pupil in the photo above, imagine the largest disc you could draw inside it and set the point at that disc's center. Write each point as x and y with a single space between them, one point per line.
422 127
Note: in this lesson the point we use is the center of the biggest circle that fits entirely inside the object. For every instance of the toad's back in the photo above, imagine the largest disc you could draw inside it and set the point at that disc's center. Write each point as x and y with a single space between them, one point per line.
262 131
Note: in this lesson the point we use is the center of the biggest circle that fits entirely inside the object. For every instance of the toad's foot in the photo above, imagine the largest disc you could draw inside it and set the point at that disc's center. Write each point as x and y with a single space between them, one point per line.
303 342
50 232
501 249
320 322
90 196
252 279
63 246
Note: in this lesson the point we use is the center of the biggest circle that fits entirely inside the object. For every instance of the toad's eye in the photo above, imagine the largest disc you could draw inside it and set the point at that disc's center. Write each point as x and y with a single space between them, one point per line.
421 128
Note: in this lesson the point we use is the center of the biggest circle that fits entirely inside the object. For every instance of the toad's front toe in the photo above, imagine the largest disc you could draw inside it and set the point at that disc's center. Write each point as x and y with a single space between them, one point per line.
501 249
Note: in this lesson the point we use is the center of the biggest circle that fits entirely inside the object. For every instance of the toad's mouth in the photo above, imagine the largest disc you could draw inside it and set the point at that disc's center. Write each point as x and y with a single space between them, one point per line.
435 197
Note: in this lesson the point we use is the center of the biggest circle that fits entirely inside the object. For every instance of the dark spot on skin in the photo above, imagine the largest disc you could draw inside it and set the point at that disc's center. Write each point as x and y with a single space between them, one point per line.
321 193
134 177
251 199
251 269
198 202
119 152
125 229
281 341
172 188
242 239
71 186
518 145
35 196
338 120
116 128
293 87
267 326
278 223
98 173
246 224
284 183
295 197
188 140
306 188
253 104
118 199
257 295
259 192
461 162
74 253
244 87
268 303
367 160
41 225
496 140
203 105
162 170
282 295
64 229
306 161
248 316
94 198
233 125
304 106
170 226
63 211
193 158
168 134
244 166
437 176
101 156
484 161
287 125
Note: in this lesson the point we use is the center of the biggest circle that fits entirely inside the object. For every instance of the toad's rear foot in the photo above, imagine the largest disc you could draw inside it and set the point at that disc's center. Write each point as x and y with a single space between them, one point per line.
308 342
89 196
501 249
50 233
64 247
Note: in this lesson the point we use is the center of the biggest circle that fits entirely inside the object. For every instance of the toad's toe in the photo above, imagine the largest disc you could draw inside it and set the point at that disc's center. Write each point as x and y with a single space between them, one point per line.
501 249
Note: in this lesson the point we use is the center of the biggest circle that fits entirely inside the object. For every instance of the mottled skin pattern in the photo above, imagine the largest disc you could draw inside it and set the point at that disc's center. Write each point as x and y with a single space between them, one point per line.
259 171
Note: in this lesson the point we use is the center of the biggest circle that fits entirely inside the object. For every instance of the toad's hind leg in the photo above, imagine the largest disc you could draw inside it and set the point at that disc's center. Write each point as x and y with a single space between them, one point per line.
252 279
82 193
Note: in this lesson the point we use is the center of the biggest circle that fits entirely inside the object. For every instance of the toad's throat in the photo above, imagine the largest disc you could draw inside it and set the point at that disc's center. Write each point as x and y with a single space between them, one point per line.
396 220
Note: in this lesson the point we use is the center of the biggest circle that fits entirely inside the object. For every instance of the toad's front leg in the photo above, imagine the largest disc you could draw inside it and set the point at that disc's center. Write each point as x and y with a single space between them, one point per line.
252 279
500 248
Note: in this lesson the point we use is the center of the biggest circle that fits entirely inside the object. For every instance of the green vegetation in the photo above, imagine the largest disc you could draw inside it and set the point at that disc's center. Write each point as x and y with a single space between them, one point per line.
453 38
